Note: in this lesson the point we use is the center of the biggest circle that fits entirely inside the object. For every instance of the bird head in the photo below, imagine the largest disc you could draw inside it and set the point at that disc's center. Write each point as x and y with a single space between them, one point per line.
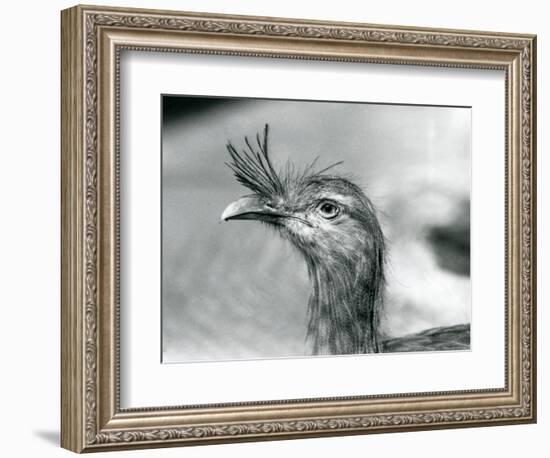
325 216
333 224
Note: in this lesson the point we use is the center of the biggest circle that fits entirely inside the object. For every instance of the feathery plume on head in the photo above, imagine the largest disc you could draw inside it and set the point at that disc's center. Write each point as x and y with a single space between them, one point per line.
253 168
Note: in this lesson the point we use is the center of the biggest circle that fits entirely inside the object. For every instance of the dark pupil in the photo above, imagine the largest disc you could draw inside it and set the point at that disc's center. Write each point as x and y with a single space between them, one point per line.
328 209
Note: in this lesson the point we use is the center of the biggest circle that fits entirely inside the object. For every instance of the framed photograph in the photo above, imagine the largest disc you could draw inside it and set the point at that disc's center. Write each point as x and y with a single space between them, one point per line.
277 228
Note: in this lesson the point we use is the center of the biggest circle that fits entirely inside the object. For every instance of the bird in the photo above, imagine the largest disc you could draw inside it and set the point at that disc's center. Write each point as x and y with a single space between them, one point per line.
330 221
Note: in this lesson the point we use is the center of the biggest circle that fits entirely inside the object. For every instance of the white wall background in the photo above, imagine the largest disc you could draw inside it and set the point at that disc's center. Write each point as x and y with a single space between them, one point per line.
29 228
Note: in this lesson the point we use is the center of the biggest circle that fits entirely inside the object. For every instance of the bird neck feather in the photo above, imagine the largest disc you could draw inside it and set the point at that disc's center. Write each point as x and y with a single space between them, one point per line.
345 303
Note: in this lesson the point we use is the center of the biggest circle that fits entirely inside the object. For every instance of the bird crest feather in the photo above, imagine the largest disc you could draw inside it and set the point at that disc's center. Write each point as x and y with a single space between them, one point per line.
253 168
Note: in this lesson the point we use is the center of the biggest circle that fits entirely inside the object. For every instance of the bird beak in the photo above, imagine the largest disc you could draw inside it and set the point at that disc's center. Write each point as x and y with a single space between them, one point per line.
251 208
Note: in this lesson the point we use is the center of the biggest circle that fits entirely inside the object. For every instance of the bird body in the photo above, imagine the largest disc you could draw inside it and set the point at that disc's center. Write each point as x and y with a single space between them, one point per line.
442 338
332 223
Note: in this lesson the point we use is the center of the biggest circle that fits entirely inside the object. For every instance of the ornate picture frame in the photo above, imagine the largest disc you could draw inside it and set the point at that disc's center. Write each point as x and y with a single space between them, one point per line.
93 39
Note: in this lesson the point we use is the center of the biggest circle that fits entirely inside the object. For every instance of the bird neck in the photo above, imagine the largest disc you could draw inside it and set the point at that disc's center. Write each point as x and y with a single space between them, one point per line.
344 304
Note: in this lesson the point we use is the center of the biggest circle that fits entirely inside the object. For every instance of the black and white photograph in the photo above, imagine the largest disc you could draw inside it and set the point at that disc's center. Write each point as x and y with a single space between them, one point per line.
303 228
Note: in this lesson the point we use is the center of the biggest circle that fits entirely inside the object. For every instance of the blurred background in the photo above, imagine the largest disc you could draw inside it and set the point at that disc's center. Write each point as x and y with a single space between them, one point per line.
235 290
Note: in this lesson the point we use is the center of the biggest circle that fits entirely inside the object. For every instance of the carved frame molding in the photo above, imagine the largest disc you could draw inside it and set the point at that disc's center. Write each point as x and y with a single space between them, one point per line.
92 38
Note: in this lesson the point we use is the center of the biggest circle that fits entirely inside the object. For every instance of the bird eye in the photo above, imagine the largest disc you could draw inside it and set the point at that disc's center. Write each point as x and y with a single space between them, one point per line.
328 210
